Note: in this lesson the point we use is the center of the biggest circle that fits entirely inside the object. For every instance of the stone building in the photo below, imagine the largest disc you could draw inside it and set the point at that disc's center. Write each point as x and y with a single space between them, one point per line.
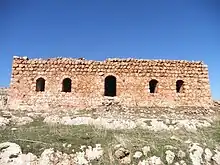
66 82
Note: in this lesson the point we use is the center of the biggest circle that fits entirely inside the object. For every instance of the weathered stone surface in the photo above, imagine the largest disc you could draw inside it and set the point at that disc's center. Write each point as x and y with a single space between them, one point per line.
137 154
181 154
154 160
207 156
118 123
11 154
94 153
21 120
4 121
169 156
195 153
216 157
123 155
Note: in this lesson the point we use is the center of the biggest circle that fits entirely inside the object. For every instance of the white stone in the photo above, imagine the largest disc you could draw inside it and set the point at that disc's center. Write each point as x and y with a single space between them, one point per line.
4 121
169 156
69 145
126 160
45 157
181 154
145 150
157 125
208 155
14 129
182 162
79 159
9 151
94 153
169 147
52 120
137 154
195 153
64 145
21 120
188 125
151 161
10 154
76 121
112 123
175 138
82 147
216 157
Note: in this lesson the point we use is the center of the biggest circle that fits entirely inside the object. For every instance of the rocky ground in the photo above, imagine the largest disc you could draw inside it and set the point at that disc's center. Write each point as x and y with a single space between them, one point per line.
111 135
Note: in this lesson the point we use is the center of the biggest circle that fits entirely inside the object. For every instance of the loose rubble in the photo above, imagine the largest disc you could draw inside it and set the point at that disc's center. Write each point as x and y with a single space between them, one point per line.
114 123
11 154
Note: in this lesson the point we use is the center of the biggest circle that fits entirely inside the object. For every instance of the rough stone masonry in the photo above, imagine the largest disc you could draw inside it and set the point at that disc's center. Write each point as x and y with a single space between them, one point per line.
68 82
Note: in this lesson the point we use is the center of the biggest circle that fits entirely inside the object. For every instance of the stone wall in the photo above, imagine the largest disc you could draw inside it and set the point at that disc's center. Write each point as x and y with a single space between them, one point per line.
3 97
88 79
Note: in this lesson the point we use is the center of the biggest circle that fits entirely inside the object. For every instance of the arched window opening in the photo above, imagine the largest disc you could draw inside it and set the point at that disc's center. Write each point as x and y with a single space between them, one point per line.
110 86
40 85
67 83
179 86
153 86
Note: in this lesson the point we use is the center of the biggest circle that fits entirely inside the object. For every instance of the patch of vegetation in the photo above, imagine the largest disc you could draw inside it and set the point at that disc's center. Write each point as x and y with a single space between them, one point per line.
37 136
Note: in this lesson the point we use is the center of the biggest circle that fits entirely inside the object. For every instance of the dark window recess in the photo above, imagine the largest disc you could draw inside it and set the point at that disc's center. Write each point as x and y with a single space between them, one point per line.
40 85
153 86
67 84
179 86
110 86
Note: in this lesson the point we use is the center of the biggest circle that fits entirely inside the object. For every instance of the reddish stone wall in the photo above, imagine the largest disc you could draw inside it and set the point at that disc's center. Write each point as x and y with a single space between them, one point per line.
88 79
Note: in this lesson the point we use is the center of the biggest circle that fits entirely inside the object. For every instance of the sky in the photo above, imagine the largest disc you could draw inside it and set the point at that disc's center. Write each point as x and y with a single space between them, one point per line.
100 29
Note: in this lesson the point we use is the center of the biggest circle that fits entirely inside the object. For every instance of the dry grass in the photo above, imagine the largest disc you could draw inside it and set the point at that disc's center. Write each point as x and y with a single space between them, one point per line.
37 136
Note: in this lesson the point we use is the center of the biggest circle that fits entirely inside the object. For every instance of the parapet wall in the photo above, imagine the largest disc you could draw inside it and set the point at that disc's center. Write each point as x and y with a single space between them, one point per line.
88 79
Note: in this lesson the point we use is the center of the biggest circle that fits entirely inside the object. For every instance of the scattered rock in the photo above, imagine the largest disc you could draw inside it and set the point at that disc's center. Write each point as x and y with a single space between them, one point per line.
216 157
208 156
94 153
4 121
169 147
151 161
169 156
14 129
8 151
6 114
123 155
181 154
126 160
10 154
145 150
80 159
69 146
45 158
175 138
52 120
118 123
195 152
21 120
138 154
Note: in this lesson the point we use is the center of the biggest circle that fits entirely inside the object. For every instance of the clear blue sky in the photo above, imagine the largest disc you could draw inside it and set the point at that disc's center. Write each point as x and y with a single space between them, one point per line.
99 29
